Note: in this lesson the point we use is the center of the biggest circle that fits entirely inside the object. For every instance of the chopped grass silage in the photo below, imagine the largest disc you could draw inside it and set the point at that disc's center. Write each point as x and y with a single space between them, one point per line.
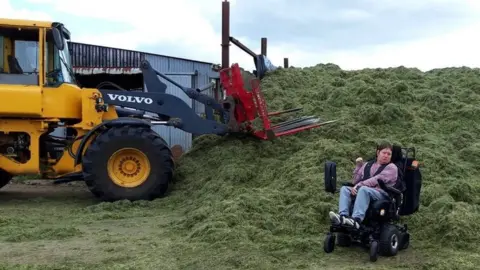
269 196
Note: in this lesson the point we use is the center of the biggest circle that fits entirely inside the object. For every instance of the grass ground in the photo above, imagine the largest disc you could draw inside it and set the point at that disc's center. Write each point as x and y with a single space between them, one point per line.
64 227
244 204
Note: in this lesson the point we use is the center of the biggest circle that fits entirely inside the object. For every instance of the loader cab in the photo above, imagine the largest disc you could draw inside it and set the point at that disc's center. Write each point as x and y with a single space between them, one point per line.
22 61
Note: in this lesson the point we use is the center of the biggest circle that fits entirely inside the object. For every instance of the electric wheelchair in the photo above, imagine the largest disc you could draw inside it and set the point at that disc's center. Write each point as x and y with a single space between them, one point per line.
380 230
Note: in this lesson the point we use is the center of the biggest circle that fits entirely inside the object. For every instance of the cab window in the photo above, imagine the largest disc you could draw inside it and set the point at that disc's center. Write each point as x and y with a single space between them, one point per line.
19 56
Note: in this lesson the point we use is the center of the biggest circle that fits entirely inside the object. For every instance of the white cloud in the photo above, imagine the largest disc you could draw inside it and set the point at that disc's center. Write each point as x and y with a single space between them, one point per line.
353 15
184 24
456 48
177 23
7 11
411 4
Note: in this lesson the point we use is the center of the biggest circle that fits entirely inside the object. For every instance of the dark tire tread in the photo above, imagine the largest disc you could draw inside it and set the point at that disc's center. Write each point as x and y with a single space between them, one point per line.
385 243
95 163
5 178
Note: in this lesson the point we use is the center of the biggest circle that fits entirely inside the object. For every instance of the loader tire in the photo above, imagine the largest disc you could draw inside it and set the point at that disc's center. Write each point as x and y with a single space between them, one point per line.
132 163
5 178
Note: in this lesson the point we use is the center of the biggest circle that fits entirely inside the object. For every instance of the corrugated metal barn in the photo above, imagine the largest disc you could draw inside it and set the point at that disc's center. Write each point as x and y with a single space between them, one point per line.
95 64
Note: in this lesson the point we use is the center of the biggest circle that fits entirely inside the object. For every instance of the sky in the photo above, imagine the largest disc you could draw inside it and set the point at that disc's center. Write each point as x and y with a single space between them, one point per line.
353 34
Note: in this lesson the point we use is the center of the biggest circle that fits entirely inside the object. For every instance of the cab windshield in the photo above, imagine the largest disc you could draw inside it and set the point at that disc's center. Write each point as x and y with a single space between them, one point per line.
20 61
61 72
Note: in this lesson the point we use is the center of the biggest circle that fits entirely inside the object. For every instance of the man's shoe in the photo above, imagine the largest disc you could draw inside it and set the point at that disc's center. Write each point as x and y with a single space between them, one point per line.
335 218
352 222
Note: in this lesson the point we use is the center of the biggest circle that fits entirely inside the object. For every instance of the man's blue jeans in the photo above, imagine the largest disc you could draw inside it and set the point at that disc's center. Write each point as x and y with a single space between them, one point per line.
362 201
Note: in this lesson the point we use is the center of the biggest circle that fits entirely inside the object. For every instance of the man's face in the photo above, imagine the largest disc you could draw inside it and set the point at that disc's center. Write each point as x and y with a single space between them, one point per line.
384 156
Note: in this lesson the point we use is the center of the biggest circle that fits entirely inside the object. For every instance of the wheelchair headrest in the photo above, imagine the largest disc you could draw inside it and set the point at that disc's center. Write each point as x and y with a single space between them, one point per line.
396 154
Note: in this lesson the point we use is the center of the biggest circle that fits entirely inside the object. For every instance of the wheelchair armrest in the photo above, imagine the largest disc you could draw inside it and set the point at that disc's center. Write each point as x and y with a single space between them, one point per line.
348 184
388 189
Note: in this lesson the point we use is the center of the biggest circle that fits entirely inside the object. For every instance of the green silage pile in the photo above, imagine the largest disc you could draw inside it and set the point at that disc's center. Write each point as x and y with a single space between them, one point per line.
270 196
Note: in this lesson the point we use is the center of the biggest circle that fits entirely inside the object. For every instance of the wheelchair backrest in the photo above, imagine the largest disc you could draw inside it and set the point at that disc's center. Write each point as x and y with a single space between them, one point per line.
413 186
399 158
409 181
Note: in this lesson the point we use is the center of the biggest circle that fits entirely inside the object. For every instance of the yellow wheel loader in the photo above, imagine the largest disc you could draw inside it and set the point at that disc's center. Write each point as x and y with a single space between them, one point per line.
117 157
109 141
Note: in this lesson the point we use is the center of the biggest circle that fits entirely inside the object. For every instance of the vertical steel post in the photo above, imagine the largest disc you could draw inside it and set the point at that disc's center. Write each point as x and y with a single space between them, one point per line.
264 46
225 34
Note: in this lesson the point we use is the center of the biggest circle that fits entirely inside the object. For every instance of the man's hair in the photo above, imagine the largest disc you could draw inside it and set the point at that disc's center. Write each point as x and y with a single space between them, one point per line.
384 145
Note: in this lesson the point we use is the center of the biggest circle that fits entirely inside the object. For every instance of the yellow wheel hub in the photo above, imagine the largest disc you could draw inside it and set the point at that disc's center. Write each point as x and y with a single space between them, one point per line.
128 167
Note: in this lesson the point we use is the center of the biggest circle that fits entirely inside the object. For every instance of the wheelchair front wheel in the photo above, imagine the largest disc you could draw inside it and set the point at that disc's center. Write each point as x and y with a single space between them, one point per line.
373 251
390 240
329 243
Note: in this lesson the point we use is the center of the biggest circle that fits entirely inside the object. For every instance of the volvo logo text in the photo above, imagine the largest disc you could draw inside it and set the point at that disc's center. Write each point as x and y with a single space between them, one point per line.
131 99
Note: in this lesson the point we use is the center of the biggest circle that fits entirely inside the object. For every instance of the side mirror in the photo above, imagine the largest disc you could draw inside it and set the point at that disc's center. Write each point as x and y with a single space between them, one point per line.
58 38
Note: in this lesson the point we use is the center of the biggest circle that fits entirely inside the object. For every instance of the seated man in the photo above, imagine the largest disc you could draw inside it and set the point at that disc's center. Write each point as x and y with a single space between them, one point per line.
366 188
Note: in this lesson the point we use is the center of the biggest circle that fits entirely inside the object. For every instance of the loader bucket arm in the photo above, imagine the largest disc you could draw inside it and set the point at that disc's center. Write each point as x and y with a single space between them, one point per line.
178 113
238 110
172 109
154 84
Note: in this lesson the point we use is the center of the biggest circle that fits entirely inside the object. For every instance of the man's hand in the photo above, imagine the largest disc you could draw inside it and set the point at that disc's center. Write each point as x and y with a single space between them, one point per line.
354 190
359 160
